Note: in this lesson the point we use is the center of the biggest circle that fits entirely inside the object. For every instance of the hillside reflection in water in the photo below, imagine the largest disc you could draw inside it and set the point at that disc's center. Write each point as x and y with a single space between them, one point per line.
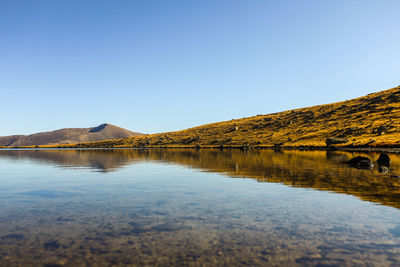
313 169
196 207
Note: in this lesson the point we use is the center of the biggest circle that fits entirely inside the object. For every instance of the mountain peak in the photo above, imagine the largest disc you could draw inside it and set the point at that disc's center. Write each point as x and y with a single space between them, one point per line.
104 131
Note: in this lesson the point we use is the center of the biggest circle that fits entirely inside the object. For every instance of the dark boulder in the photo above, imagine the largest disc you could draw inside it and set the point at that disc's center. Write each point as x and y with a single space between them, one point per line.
361 163
333 141
381 130
383 160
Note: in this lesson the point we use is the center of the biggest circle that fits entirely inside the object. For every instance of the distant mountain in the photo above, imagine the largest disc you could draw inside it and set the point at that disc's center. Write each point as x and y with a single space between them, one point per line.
372 120
68 136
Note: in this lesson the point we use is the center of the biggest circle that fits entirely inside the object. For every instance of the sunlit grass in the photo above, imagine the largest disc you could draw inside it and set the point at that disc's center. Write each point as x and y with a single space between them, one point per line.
372 120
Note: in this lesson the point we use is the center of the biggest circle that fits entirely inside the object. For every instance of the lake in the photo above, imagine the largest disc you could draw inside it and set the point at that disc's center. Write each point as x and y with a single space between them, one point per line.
163 207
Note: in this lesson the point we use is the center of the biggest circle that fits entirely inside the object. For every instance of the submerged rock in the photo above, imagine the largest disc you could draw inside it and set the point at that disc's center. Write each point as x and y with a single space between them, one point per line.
52 245
13 236
383 169
361 163
383 160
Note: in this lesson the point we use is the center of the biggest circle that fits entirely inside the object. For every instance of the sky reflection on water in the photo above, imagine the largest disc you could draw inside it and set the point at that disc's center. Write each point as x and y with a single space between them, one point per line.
193 207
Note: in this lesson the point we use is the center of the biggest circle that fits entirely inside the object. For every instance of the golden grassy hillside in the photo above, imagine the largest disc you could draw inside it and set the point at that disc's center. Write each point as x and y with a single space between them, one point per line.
372 120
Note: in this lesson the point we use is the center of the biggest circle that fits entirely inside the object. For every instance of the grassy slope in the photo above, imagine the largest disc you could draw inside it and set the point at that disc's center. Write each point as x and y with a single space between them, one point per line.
357 120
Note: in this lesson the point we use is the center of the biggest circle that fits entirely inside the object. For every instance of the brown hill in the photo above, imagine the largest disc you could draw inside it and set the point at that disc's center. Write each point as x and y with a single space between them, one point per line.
68 136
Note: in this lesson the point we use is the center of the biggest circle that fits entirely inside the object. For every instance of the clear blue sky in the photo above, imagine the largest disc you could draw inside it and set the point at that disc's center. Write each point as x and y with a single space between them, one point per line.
155 66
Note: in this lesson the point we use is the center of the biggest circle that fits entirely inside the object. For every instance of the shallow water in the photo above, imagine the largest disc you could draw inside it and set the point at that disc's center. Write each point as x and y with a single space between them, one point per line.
197 208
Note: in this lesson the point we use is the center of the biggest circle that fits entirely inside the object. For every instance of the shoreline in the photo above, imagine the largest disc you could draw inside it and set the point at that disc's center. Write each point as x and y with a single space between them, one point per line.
244 148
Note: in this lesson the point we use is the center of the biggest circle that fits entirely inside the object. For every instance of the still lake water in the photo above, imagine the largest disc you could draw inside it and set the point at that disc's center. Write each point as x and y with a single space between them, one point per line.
196 208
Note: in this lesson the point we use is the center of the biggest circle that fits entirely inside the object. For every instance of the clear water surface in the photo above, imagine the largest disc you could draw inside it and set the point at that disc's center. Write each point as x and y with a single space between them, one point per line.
196 208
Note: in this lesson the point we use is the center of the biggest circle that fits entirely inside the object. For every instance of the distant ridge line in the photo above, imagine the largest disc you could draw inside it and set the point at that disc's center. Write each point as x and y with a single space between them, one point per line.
64 136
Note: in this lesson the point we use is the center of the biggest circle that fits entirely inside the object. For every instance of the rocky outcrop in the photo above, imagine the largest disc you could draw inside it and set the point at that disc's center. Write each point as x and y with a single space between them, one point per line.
333 141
